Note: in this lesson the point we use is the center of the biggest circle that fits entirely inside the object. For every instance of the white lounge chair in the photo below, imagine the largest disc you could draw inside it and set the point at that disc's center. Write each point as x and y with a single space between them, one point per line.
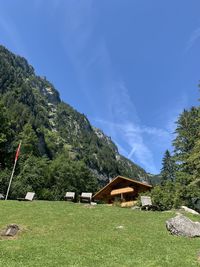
86 197
70 196
147 203
29 197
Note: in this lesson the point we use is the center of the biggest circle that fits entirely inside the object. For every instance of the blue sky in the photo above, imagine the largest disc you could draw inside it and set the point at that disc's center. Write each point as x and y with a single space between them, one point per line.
131 66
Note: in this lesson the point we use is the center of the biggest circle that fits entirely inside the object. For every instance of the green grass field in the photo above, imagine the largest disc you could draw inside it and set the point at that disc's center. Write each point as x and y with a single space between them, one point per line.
68 234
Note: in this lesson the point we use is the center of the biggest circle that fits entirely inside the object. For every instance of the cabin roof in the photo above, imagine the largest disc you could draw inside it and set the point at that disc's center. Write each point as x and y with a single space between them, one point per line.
119 182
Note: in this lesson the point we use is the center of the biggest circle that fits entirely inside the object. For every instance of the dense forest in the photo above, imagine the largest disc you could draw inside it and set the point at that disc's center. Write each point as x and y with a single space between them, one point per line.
180 174
60 150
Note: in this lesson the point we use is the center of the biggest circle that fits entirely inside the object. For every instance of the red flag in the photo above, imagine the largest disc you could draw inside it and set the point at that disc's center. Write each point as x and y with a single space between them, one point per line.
17 152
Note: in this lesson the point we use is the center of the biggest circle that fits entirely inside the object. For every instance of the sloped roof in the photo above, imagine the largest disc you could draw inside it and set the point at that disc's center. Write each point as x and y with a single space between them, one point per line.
118 183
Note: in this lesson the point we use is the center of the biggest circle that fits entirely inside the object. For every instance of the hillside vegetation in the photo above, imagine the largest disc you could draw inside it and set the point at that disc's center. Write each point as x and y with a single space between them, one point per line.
180 175
60 149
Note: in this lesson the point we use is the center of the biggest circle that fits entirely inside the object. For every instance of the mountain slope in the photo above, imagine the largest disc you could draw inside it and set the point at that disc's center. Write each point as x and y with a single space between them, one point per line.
33 112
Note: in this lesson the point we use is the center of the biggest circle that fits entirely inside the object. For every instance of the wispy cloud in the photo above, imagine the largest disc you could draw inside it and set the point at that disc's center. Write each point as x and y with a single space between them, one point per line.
139 150
193 39
76 39
91 58
132 138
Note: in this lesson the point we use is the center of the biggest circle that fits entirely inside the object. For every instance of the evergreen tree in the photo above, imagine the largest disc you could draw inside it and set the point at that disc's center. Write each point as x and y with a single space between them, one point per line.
194 160
168 167
187 134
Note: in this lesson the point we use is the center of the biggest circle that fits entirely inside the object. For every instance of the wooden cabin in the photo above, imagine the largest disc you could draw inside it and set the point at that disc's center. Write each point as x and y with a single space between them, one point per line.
122 189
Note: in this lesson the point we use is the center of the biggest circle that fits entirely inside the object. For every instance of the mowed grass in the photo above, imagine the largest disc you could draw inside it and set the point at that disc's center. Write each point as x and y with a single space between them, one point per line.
68 234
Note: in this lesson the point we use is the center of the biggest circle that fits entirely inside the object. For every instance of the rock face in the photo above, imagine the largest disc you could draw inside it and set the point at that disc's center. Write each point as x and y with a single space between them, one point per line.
183 226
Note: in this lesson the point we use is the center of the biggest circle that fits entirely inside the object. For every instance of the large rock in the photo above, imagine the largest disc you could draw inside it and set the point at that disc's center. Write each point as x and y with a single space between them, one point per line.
189 210
183 226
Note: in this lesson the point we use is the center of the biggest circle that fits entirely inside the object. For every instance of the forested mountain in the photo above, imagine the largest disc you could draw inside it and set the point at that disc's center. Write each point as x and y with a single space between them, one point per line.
60 149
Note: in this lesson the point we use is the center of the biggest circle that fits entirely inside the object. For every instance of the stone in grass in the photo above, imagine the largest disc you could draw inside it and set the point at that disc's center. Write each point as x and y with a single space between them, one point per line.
11 230
135 208
120 227
89 206
183 226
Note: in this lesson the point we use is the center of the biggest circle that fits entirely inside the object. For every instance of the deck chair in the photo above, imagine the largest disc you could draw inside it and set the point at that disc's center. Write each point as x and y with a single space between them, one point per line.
69 196
1 196
147 203
29 197
86 197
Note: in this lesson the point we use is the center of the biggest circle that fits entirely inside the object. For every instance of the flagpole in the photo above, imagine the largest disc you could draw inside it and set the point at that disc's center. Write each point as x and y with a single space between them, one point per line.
10 180
11 177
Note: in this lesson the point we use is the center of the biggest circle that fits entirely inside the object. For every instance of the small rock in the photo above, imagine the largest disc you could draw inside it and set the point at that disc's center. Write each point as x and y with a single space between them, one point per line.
11 230
135 208
120 227
89 206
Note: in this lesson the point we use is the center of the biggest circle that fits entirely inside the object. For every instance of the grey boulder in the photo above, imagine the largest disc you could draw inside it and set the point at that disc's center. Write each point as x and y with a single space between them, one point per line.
11 230
183 226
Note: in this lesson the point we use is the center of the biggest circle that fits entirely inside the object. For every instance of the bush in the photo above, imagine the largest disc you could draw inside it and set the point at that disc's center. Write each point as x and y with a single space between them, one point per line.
164 196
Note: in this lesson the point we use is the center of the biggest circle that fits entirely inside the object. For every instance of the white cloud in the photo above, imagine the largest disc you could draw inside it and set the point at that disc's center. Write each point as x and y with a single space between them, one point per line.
193 39
91 57
134 137
139 149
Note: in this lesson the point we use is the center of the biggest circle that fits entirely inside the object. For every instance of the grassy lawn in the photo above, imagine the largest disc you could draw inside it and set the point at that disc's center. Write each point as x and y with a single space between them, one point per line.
67 234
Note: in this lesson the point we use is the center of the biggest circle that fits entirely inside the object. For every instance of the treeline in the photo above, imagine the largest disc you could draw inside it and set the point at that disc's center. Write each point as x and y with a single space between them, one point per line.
49 169
180 174
50 179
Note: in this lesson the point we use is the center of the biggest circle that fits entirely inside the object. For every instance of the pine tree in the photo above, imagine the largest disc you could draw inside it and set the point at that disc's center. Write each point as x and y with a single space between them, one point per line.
187 134
187 149
168 167
194 160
